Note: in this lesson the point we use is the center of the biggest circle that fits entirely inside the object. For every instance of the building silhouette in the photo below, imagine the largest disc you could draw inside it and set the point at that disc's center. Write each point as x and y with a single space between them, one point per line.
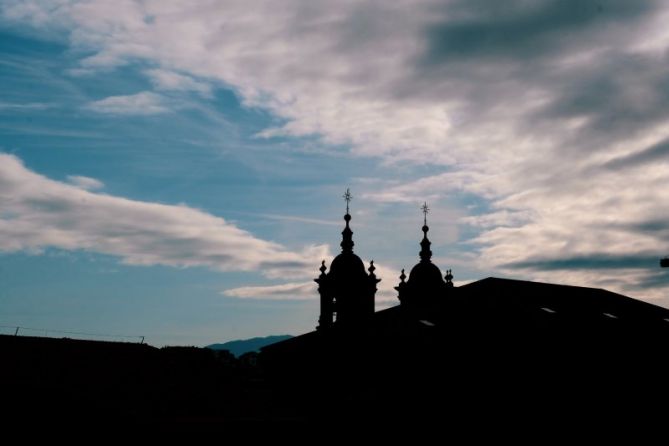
475 347
346 291
492 356
426 287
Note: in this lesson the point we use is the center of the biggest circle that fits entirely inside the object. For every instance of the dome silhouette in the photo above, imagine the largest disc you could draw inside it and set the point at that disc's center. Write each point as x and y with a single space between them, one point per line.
346 291
426 274
347 264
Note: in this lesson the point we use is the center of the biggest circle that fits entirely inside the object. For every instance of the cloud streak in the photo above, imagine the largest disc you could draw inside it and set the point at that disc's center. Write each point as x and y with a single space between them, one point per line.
37 213
144 103
171 81
385 294
286 291
30 106
591 262
85 183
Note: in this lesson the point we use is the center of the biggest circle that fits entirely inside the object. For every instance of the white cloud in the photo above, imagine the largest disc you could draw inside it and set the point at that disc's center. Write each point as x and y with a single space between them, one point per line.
144 103
298 219
36 13
169 80
386 293
286 291
521 115
85 183
24 106
38 213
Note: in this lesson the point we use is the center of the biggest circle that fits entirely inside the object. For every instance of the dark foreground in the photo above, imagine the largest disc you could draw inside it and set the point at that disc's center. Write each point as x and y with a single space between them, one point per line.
548 386
88 383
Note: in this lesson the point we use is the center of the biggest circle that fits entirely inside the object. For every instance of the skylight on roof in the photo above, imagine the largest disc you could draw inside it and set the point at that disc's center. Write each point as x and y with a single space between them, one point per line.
426 322
612 316
548 310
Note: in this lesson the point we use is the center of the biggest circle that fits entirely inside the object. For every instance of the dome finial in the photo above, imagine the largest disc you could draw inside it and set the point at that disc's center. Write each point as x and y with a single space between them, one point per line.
425 253
347 234
425 210
348 197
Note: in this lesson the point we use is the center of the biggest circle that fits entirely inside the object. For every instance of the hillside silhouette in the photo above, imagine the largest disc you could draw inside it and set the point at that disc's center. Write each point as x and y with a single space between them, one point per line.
240 346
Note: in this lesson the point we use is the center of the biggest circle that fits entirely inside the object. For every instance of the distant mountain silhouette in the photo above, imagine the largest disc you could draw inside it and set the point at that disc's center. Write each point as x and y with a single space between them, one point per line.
241 346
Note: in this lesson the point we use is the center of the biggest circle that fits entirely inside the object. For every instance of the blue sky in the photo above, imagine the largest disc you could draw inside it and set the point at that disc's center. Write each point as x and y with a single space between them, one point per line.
175 169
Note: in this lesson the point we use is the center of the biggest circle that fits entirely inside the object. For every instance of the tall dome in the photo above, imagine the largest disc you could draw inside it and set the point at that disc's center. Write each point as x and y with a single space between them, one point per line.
347 291
347 264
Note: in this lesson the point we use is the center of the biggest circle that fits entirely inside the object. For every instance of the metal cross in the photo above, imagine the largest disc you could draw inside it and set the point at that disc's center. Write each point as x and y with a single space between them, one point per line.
348 197
425 212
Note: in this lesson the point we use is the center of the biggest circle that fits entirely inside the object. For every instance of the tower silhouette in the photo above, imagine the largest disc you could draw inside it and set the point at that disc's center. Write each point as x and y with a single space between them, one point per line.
425 286
346 291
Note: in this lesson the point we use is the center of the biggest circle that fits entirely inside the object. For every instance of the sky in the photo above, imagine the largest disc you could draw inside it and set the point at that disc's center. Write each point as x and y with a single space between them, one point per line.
175 170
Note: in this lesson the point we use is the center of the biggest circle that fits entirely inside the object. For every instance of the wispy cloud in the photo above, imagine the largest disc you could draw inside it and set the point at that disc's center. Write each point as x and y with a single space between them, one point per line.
521 105
590 262
286 291
385 295
144 103
37 212
85 183
169 80
299 219
29 106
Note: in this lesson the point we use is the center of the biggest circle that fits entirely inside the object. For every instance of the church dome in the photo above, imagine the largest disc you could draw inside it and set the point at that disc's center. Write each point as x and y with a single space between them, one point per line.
347 264
347 291
425 278
425 273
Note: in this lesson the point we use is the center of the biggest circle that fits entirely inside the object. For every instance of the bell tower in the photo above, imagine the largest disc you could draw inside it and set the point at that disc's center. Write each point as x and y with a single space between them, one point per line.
347 291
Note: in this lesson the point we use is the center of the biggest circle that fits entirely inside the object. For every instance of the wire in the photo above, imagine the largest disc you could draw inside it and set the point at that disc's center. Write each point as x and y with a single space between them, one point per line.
81 333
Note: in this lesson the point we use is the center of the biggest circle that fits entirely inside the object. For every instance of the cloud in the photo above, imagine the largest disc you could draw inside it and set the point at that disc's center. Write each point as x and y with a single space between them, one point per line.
169 80
38 213
85 183
30 106
144 103
519 29
657 152
589 262
298 219
385 295
286 291
553 113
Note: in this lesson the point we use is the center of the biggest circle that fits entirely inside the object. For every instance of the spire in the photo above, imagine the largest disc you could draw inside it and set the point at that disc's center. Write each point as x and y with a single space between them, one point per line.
425 210
347 234
348 197
425 253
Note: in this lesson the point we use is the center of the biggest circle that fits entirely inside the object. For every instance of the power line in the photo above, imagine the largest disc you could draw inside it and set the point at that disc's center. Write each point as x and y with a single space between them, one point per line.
46 331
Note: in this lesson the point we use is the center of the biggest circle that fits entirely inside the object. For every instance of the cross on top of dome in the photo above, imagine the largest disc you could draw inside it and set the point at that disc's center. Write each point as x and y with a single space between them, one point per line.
348 197
425 210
